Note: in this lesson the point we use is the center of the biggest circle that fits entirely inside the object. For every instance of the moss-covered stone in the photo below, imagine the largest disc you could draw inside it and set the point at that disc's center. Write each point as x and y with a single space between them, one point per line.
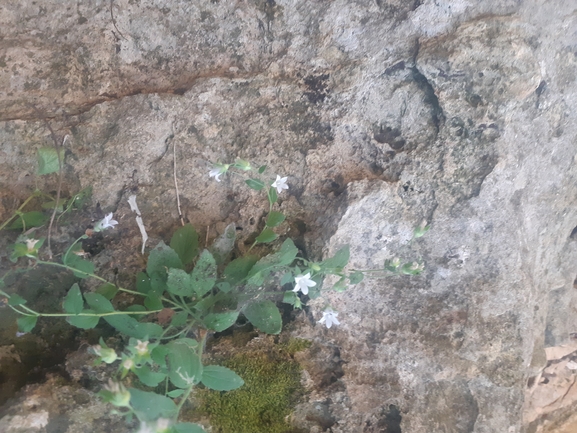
272 386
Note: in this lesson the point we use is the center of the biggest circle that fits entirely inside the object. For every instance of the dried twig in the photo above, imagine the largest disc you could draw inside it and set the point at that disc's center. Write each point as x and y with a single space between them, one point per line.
114 21
176 183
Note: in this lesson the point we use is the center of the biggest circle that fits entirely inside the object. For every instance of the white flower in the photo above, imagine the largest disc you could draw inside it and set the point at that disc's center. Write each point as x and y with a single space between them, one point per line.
329 318
218 170
106 222
303 282
280 183
30 243
142 347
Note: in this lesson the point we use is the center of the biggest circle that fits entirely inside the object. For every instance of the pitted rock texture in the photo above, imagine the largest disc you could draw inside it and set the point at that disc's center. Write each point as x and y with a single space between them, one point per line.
383 114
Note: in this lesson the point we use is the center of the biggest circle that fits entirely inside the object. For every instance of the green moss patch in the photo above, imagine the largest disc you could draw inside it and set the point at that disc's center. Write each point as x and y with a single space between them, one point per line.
272 387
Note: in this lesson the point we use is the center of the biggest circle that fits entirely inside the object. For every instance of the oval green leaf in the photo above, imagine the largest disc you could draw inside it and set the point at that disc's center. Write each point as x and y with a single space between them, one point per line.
265 316
220 321
274 219
255 184
266 236
220 378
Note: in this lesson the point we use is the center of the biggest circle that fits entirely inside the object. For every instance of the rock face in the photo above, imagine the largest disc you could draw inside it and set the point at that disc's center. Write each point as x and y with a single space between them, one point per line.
383 113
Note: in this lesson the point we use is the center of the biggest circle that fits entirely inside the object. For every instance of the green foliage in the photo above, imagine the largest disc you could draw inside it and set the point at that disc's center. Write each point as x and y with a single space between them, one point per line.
265 316
220 378
185 292
185 242
49 160
29 219
272 385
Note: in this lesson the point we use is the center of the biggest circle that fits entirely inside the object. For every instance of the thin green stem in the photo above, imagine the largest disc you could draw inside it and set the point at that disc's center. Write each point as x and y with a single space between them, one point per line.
184 398
22 206
111 313
70 247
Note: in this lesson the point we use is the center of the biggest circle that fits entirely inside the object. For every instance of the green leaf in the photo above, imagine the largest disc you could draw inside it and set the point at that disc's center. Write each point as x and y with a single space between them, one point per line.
19 250
179 319
26 323
79 199
255 184
224 244
52 204
287 278
203 275
224 286
48 160
421 230
340 286
75 262
220 378
265 316
175 393
150 406
29 219
153 302
356 277
162 258
187 427
73 302
159 354
185 367
133 328
185 242
266 236
292 299
149 377
238 269
158 283
108 291
338 261
84 322
284 257
180 283
261 169
220 321
272 196
143 283
274 219
98 303
15 300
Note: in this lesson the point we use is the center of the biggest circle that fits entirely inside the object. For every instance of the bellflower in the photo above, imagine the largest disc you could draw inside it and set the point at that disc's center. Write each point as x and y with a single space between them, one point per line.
280 183
105 223
218 170
329 318
303 282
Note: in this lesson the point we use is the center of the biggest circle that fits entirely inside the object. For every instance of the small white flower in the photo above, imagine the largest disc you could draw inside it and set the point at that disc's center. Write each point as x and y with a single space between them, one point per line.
329 318
106 222
215 172
142 347
303 282
218 170
280 183
30 243
128 364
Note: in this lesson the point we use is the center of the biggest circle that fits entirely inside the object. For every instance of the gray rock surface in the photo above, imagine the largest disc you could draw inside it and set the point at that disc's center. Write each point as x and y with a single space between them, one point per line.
382 113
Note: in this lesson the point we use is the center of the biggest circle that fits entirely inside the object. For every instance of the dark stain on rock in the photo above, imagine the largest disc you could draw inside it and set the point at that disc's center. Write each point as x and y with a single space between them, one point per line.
396 67
437 115
390 421
390 136
317 88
